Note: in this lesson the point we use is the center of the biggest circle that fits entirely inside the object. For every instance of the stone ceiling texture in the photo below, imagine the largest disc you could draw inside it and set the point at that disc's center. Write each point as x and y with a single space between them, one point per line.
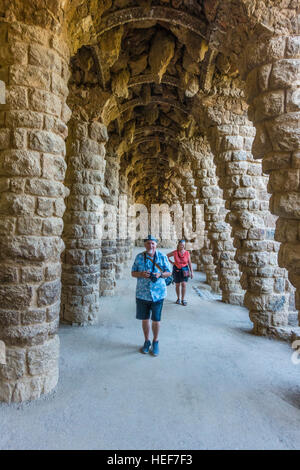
139 77
144 68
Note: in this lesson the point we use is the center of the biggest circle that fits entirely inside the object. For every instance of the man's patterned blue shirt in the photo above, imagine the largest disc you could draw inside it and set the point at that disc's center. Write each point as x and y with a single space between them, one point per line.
145 288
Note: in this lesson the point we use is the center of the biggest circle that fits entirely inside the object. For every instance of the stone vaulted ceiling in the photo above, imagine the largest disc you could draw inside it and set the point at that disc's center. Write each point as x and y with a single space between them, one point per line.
142 73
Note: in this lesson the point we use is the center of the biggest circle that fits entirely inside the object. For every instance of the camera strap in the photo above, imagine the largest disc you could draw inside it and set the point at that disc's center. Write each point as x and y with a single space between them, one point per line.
153 262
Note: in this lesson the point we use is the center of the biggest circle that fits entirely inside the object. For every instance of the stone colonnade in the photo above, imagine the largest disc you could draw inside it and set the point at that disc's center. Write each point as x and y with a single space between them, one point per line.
35 228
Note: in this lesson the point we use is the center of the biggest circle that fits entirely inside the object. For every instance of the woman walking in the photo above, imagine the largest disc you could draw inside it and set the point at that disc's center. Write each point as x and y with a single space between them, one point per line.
182 269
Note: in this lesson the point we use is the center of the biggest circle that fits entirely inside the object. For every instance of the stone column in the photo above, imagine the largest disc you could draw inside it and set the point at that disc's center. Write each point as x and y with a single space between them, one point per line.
34 67
244 189
82 222
109 244
207 261
122 226
129 242
219 232
271 67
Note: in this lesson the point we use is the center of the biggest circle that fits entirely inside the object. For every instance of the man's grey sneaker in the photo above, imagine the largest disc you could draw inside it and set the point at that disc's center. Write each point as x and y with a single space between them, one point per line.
155 348
146 348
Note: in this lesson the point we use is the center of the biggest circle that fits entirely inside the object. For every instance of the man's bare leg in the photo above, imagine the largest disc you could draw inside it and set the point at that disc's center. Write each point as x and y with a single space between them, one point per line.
146 329
155 329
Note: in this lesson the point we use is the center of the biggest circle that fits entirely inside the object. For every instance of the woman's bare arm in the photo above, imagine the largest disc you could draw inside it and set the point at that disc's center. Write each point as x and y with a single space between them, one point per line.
170 255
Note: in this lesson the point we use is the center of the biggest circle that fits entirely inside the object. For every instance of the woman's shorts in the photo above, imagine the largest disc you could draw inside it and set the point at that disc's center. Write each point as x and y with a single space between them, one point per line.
144 307
180 275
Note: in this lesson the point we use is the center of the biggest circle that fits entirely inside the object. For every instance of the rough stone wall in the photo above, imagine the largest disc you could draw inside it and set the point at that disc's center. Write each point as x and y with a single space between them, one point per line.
271 66
83 222
34 67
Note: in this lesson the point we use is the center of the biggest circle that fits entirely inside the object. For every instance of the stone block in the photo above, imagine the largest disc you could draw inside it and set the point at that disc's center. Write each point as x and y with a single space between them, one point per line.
98 132
277 161
261 144
20 163
43 358
16 204
42 187
48 293
59 207
45 207
272 49
292 100
59 85
24 118
43 57
31 274
285 73
48 142
33 316
19 138
15 297
11 54
52 226
284 180
29 225
10 317
293 47
54 167
16 97
44 101
15 366
269 105
30 76
263 75
4 138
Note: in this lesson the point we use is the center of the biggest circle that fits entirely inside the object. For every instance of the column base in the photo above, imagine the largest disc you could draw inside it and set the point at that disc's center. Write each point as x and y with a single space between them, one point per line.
80 316
283 333
233 298
29 372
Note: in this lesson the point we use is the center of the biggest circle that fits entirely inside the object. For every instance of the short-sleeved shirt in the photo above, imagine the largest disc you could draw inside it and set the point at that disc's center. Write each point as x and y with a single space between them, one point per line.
145 288
181 260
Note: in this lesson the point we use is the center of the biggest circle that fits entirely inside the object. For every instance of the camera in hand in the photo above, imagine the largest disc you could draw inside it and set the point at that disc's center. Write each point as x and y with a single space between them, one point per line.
153 278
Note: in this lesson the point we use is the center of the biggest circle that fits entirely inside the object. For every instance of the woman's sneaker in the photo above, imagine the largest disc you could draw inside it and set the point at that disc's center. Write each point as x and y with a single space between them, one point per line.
146 348
155 348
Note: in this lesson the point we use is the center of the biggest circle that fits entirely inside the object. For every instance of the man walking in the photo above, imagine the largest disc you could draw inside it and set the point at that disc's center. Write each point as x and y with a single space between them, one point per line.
150 268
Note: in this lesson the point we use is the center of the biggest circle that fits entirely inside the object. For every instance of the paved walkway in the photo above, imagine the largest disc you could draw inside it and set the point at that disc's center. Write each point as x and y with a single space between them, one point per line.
214 385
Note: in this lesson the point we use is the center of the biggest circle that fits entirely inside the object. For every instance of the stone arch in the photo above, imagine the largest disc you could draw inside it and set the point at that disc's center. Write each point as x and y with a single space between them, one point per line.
169 15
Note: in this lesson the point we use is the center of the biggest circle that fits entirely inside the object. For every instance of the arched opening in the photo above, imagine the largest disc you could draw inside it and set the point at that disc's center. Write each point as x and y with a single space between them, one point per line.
161 105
